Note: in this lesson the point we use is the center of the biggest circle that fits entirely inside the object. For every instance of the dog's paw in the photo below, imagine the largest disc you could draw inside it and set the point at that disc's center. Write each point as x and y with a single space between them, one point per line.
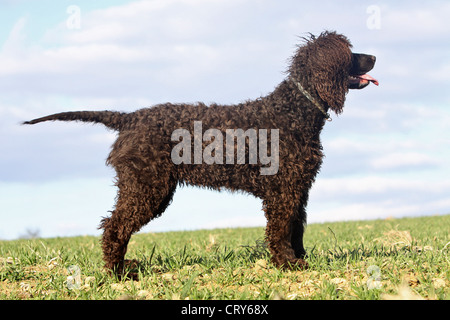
126 270
297 264
131 264
290 264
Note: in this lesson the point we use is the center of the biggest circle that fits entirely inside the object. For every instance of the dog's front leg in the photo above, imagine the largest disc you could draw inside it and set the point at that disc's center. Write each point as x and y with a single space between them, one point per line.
298 229
282 226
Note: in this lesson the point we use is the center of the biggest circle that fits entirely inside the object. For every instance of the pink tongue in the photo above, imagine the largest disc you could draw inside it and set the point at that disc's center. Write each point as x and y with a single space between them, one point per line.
369 78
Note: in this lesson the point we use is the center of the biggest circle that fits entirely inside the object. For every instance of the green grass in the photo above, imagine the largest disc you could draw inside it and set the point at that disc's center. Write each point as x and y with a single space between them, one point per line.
381 259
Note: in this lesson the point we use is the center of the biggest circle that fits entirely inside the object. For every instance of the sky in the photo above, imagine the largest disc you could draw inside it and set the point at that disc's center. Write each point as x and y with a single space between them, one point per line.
387 154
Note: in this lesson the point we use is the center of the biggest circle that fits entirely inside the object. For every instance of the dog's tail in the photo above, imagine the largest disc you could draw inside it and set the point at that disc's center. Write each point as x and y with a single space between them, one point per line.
111 119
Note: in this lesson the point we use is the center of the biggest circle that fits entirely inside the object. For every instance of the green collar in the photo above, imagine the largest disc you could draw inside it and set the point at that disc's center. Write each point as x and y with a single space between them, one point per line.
310 98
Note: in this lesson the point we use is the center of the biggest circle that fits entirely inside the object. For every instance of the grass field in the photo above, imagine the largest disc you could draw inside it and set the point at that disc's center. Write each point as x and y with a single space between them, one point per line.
381 259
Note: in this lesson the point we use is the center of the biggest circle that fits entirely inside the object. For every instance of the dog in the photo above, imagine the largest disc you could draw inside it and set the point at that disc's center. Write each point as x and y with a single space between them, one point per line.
227 147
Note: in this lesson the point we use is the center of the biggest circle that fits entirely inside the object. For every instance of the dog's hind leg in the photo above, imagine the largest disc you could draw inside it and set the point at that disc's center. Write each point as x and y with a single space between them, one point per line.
139 200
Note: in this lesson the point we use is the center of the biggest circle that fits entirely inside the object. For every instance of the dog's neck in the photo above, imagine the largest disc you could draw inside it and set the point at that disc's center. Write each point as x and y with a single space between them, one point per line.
288 97
310 98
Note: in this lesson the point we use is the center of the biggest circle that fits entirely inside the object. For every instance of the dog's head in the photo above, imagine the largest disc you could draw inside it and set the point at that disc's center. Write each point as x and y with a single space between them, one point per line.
326 67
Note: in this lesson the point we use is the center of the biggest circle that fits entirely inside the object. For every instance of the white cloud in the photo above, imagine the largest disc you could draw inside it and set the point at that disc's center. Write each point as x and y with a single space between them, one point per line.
416 20
71 207
14 44
372 197
146 45
400 160
352 186
366 211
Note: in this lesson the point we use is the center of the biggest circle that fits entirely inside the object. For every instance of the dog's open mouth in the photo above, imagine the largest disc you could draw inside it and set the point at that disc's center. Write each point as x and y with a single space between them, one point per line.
360 81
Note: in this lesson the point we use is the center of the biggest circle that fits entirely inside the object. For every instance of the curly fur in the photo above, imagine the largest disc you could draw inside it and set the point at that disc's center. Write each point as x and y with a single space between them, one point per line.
147 178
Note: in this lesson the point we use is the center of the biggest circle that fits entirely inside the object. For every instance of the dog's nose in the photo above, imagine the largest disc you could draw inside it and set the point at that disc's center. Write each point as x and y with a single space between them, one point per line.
361 58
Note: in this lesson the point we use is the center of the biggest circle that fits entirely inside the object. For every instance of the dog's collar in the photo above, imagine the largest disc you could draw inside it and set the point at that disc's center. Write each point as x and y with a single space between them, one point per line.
310 98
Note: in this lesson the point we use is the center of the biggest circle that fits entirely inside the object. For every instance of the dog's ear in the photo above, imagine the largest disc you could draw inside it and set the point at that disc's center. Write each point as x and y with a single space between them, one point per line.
333 62
332 92
327 62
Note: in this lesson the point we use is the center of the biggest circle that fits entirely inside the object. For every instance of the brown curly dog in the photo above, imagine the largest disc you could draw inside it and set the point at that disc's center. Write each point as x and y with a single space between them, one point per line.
276 156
